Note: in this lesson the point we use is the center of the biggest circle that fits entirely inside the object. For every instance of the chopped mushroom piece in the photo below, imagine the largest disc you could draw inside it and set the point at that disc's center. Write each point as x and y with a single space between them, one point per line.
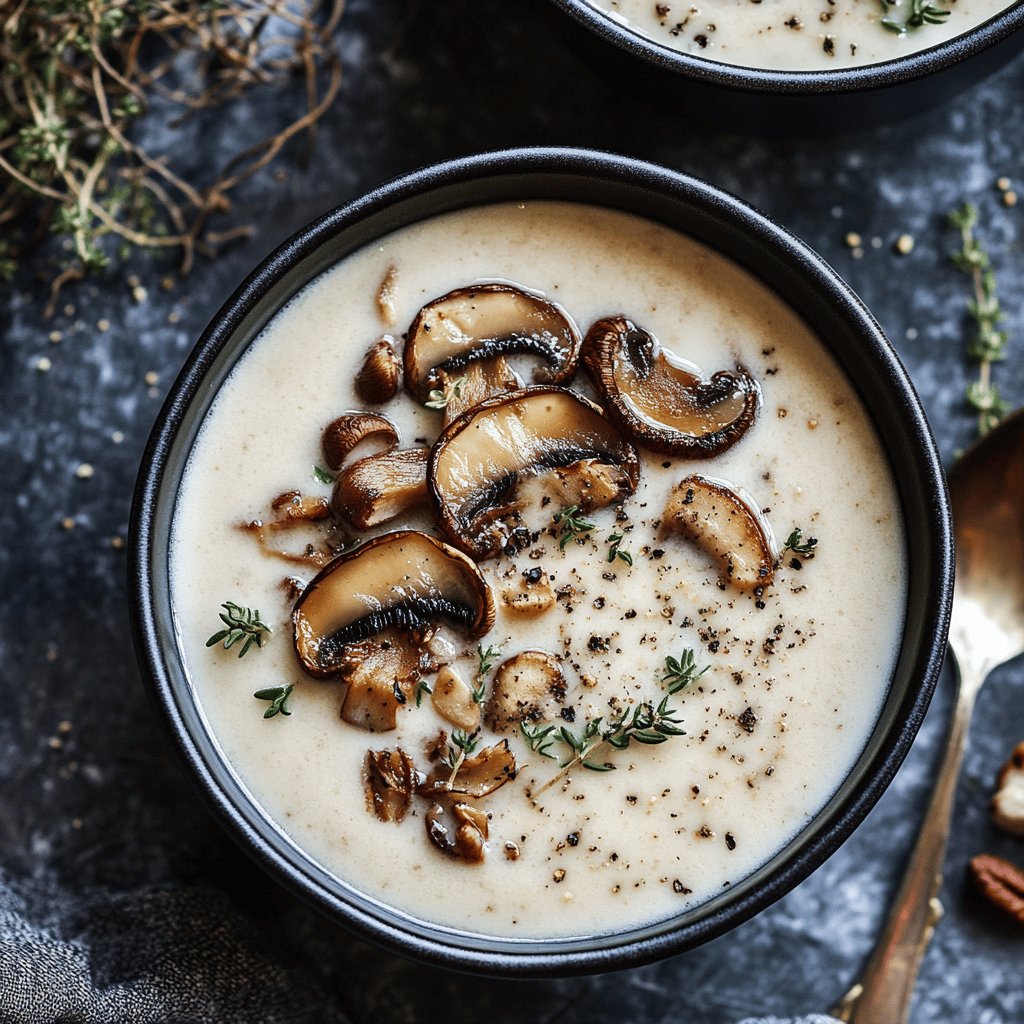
289 510
381 374
726 525
367 618
390 779
532 596
484 322
477 776
453 700
478 461
343 434
529 686
373 490
458 830
662 401
386 296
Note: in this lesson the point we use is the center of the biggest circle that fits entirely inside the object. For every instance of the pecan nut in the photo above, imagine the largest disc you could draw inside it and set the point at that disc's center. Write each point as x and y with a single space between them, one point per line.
1000 882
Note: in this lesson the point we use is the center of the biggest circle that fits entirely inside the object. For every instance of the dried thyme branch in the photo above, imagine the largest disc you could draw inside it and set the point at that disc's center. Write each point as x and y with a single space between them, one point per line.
78 78
988 344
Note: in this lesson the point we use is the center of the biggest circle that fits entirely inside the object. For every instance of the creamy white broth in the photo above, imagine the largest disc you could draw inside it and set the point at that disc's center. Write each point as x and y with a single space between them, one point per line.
675 823
793 35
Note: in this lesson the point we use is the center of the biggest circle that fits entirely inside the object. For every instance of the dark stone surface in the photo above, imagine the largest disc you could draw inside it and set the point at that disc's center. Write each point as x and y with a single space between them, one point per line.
103 846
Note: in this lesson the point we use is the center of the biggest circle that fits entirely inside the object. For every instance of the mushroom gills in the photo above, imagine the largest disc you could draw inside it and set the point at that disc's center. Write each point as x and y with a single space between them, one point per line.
484 322
376 489
399 582
479 460
662 401
727 525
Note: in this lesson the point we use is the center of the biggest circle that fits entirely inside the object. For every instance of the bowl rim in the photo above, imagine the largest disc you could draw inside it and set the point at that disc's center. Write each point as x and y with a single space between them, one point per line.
862 78
200 751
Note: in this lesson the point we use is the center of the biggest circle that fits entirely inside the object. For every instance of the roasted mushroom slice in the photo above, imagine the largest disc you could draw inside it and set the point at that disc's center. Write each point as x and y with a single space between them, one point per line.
380 375
477 777
476 384
726 525
530 686
458 830
483 322
343 434
478 460
390 779
373 490
662 401
367 618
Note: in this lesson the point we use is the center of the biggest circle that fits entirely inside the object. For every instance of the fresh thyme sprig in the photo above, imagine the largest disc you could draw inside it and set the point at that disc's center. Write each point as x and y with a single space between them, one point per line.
539 738
278 697
460 746
614 551
988 344
572 525
487 658
682 671
242 624
646 724
921 13
795 542
440 397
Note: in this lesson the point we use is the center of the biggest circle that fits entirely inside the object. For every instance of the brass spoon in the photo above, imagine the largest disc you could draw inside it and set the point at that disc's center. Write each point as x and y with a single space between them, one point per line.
987 629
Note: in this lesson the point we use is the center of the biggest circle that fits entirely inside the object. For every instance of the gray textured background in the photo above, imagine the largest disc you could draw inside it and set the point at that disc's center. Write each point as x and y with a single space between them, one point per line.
113 878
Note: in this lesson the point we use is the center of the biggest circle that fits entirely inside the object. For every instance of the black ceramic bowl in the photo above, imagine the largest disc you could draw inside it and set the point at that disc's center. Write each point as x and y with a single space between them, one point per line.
783 263
794 103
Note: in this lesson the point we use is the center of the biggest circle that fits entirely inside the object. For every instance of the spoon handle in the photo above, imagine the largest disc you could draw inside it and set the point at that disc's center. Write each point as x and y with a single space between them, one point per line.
885 990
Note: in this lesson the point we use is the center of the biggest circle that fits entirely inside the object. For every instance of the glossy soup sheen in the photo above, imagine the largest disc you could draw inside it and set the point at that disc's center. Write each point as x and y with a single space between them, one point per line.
795 681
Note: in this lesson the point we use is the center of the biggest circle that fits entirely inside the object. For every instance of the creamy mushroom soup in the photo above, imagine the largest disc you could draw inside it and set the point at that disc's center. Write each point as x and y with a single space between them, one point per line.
800 35
605 599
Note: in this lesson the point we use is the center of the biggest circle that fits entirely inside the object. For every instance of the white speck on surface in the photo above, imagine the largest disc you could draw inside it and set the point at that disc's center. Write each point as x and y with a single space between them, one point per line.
43 364
84 471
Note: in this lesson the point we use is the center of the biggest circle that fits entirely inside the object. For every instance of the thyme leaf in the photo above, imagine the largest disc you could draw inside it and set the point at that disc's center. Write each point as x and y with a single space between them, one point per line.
573 525
920 13
278 697
243 625
422 687
539 738
322 475
682 671
487 658
795 542
439 398
988 345
614 551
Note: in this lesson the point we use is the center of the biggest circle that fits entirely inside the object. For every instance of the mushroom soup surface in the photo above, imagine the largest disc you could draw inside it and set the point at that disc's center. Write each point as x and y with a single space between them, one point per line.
800 35
618 576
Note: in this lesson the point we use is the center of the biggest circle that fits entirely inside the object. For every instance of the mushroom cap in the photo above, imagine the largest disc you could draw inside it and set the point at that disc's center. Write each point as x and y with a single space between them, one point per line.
479 458
482 322
372 490
402 580
662 401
